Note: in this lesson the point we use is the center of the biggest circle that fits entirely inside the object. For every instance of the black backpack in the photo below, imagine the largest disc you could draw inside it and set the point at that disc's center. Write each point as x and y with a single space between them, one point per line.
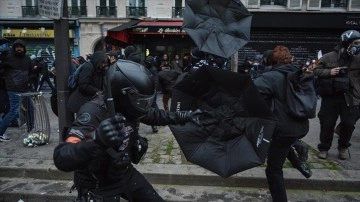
301 98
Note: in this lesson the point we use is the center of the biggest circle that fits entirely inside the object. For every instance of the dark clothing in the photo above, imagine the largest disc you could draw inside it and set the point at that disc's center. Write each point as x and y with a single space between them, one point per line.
278 152
150 65
17 70
340 97
94 167
331 108
90 82
272 86
45 76
177 65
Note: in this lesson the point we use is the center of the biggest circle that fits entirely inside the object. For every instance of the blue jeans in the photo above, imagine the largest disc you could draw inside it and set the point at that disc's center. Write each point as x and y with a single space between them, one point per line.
13 113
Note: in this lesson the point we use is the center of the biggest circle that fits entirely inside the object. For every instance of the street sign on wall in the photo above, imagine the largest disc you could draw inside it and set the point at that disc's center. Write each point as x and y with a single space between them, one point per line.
51 8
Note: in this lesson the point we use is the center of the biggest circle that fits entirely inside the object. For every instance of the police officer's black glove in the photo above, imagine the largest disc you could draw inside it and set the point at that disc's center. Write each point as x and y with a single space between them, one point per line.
186 116
111 132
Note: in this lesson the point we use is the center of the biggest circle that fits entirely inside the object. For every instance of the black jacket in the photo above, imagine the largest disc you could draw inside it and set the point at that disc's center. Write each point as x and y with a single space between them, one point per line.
17 69
272 86
91 163
91 80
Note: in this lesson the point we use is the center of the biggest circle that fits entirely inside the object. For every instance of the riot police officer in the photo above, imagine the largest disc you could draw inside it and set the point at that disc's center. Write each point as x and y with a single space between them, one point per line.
100 148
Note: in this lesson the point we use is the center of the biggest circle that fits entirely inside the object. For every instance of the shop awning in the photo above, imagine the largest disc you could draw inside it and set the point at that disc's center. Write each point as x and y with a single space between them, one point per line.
121 35
158 27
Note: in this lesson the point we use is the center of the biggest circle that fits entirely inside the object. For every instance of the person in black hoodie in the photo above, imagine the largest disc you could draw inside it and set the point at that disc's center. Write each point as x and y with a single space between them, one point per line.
17 67
90 83
272 86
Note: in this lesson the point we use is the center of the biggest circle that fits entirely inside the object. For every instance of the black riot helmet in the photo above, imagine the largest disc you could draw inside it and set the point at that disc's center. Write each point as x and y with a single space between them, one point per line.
348 36
132 89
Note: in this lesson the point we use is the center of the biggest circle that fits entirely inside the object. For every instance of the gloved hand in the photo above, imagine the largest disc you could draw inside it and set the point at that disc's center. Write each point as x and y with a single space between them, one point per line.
111 132
185 116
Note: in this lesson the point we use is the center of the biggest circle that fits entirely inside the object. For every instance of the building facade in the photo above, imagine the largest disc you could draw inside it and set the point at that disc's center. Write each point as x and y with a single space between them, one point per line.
305 26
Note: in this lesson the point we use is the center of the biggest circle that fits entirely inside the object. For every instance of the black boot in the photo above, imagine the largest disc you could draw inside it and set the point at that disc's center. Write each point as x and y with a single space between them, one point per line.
305 170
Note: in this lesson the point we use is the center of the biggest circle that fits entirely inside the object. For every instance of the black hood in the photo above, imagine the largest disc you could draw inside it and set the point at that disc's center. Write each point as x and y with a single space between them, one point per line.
97 58
19 42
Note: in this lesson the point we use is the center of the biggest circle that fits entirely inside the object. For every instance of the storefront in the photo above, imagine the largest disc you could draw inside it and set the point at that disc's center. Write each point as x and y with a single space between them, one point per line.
158 37
304 33
39 37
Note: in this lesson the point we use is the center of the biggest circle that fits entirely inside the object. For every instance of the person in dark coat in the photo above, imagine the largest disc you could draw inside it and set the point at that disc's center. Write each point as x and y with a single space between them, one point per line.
150 65
45 76
35 73
338 84
16 68
90 81
272 86
131 53
100 147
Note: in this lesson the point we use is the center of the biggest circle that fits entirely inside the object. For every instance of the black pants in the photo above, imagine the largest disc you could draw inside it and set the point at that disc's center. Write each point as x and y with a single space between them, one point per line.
278 152
133 187
331 108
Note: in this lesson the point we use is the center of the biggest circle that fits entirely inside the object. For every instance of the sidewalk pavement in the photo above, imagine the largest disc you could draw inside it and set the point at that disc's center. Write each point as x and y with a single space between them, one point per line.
164 163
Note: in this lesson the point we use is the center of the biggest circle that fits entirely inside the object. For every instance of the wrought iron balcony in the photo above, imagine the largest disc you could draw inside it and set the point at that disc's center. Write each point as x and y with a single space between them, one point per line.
273 2
31 11
177 12
136 11
106 11
77 11
334 3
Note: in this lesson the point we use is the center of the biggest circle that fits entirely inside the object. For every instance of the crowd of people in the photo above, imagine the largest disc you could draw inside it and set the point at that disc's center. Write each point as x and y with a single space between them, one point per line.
103 141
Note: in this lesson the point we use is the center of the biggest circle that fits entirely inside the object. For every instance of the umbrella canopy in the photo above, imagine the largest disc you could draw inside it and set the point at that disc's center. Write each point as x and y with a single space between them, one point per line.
237 134
217 27
3 41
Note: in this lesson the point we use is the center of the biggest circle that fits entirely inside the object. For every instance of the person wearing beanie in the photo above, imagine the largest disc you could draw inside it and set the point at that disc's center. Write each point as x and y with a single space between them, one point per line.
17 68
91 80
272 86
338 84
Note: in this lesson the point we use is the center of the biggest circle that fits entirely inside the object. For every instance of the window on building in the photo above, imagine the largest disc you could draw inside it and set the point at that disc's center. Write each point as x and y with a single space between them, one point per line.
78 8
178 10
30 8
273 2
136 8
107 8
333 4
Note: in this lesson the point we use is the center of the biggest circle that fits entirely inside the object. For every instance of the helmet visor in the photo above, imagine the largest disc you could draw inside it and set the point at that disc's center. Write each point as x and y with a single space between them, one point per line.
140 102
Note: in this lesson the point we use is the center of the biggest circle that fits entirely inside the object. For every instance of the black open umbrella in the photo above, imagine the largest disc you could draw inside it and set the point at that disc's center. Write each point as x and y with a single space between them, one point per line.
4 41
217 27
235 134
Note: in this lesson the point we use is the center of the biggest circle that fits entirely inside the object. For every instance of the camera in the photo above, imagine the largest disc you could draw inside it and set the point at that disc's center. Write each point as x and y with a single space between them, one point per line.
343 70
